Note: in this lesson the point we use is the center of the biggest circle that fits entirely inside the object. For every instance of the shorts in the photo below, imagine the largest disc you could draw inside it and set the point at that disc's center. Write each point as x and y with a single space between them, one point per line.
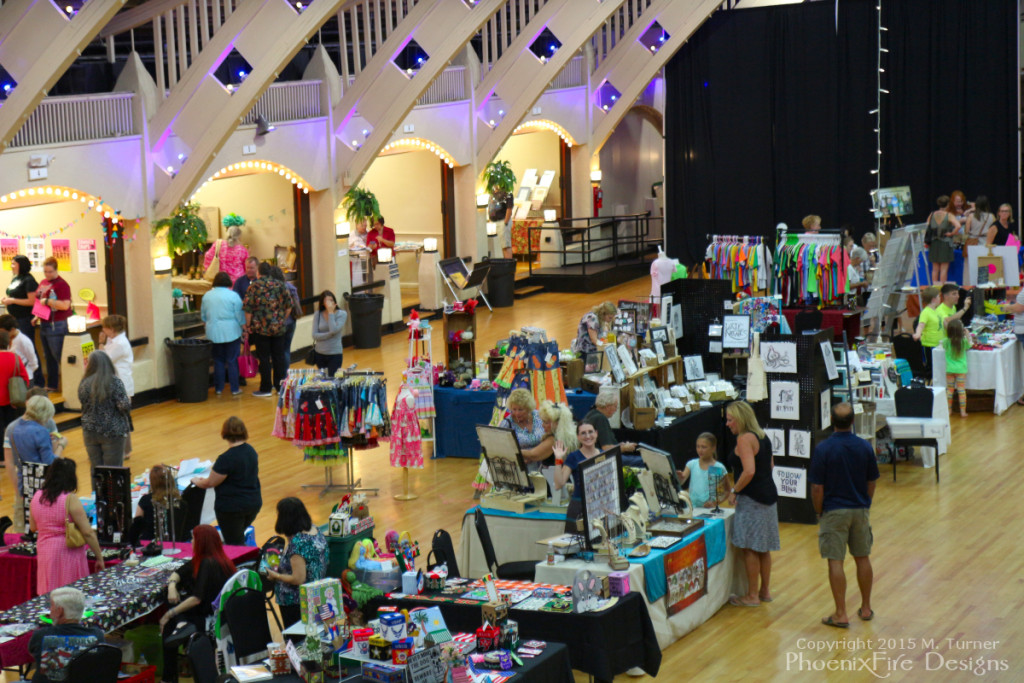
844 527
506 235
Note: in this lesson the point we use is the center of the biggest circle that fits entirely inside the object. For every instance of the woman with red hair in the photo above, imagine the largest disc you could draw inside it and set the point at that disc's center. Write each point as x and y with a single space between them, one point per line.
192 589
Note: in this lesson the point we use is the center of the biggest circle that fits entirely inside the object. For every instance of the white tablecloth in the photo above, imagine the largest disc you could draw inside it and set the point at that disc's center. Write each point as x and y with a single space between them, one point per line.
1000 370
886 407
514 540
725 578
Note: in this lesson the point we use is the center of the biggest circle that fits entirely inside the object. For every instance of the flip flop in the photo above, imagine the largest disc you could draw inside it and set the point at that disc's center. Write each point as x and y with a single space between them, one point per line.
766 599
829 621
735 601
869 617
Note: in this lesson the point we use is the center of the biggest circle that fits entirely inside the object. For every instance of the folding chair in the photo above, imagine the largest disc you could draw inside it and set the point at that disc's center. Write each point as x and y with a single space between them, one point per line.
457 276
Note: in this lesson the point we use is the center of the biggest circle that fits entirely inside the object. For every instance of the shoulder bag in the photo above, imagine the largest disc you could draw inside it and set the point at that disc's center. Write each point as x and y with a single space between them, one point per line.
17 389
248 364
73 537
214 268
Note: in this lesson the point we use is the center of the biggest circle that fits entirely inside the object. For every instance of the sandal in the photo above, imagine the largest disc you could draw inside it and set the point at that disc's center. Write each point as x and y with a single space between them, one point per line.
829 621
735 601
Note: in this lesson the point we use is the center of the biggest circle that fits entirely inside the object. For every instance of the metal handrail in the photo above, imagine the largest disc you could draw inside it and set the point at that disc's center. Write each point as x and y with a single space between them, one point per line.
641 240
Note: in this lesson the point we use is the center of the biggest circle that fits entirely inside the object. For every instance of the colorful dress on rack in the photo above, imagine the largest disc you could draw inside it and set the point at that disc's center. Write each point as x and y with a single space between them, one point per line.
406 446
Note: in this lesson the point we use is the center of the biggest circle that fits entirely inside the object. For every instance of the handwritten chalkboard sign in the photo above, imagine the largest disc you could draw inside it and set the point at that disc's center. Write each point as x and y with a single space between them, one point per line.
425 666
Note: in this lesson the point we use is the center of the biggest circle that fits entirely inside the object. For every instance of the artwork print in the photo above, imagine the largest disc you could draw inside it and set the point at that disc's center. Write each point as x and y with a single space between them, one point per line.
694 367
736 332
778 356
826 408
830 360
799 443
686 575
777 438
785 400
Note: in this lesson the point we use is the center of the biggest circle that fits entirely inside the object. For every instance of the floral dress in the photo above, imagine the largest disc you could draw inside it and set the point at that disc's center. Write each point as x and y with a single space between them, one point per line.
312 547
406 446
587 322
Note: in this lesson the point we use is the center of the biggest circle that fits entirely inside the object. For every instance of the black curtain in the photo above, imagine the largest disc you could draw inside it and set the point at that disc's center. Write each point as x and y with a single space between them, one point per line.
767 114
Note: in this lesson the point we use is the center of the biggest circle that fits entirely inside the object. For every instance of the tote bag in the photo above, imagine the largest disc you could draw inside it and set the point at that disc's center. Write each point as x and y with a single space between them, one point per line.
248 365
757 386
214 268
16 387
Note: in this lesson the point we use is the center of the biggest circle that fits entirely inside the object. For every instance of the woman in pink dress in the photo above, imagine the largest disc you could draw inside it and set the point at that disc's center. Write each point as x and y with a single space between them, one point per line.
232 254
54 503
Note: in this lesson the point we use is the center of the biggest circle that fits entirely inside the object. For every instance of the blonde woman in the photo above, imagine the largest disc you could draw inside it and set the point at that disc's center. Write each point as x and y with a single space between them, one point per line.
232 254
592 324
756 523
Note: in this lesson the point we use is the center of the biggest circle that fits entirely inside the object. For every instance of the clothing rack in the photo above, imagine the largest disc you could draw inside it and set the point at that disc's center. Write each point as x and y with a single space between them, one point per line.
834 284
744 260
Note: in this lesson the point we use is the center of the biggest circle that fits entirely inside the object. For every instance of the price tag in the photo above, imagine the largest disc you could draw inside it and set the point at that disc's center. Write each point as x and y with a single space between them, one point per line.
319 404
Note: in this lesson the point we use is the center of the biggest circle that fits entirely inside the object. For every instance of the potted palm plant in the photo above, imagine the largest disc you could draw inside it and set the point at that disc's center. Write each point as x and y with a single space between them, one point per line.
500 181
361 206
186 231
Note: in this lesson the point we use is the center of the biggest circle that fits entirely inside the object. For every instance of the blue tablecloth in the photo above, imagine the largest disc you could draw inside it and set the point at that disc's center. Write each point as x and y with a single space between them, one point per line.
956 268
533 514
459 411
655 583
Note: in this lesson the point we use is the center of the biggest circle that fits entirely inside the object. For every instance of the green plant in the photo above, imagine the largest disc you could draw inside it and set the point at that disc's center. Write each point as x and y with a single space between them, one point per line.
500 173
186 231
360 205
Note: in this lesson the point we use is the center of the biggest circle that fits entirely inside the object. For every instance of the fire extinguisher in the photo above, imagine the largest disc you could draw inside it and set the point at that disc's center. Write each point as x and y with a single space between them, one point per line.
598 199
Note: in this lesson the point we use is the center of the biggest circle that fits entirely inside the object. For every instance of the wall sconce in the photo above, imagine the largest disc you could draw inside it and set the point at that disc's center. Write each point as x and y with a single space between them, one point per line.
595 176
549 215
342 229
492 229
76 324
430 245
162 265
482 199
384 255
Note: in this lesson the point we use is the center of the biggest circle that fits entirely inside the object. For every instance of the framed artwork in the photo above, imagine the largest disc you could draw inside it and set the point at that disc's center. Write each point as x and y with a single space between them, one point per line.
614 365
830 361
592 362
604 494
659 348
677 320
659 334
826 408
777 438
736 332
504 458
799 443
694 368
785 400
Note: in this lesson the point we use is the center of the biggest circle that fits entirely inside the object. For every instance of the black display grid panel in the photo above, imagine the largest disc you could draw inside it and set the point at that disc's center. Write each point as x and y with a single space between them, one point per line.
813 378
703 301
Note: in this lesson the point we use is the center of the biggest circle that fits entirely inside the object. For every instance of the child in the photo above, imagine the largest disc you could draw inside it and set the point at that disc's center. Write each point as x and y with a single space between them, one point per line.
956 345
699 469
929 326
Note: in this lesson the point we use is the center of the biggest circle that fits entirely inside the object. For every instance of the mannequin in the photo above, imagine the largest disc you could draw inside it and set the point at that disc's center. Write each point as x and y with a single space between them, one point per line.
662 269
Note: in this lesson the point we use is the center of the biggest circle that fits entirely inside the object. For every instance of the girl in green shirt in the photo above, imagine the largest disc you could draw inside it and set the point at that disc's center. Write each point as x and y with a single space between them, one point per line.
956 345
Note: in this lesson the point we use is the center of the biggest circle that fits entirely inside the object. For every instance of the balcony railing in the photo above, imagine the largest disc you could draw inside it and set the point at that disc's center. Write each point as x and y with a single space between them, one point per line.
288 101
76 118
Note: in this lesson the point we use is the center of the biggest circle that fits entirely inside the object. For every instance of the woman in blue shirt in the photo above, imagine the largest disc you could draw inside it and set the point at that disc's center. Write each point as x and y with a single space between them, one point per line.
222 313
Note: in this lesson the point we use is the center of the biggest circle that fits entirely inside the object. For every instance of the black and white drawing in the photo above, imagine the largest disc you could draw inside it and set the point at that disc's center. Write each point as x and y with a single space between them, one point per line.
694 367
777 438
799 443
830 360
785 398
778 356
736 332
677 320
826 408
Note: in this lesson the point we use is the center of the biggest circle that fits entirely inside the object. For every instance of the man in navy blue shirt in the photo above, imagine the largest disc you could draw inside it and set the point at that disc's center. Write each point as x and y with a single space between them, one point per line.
843 475
241 285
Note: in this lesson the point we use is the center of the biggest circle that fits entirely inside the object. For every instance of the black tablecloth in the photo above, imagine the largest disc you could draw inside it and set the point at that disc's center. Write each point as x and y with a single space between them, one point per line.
680 437
602 644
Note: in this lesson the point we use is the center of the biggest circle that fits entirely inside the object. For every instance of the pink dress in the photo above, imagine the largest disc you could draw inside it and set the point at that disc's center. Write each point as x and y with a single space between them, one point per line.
232 259
58 564
406 447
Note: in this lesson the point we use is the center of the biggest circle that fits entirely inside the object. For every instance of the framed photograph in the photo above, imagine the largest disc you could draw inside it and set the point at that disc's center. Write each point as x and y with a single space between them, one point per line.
592 362
604 493
736 332
659 334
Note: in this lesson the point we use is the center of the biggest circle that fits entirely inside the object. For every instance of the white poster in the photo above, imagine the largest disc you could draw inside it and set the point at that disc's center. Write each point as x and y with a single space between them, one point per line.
736 332
35 249
799 443
826 408
777 438
694 367
785 398
778 356
790 481
830 360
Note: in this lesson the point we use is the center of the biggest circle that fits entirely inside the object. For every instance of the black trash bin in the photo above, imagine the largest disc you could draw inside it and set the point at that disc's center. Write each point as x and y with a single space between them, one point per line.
501 282
191 358
365 310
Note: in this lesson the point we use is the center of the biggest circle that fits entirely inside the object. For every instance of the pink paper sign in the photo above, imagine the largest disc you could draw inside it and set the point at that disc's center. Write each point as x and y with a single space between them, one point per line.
41 310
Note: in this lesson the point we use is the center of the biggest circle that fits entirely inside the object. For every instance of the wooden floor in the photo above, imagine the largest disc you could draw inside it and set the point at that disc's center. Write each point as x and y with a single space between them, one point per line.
948 567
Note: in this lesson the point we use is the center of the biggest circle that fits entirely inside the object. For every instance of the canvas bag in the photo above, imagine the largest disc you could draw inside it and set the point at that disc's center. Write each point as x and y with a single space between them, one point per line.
214 268
16 387
757 385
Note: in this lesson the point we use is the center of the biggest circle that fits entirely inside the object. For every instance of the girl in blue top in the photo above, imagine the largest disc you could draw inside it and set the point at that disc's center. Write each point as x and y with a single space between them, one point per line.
699 469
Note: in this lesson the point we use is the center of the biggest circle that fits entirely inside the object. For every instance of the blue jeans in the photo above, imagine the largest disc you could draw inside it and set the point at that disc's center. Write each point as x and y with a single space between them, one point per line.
26 328
53 346
225 357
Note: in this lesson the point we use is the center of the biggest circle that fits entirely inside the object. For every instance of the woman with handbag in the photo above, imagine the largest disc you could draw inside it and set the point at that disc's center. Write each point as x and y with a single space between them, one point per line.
14 382
226 256
64 530
105 410
328 326
222 313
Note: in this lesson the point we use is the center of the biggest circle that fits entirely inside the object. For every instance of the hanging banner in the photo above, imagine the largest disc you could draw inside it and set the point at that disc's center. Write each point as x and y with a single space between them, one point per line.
8 250
87 262
61 250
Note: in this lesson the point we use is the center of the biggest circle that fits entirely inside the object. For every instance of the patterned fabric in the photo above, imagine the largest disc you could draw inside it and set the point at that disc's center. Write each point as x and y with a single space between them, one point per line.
54 647
109 418
521 233
312 547
587 322
58 564
755 526
406 446
232 259
269 303
530 435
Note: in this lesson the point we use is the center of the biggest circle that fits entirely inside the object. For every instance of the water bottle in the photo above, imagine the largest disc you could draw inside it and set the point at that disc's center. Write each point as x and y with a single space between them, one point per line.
551 553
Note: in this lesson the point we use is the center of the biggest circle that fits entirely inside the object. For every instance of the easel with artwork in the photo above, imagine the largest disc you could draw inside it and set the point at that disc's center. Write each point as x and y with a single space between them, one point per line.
513 490
895 278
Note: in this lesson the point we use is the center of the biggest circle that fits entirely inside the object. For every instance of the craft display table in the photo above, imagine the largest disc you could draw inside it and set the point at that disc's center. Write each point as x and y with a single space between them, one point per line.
514 536
602 644
647 578
886 407
1000 369
459 411
679 438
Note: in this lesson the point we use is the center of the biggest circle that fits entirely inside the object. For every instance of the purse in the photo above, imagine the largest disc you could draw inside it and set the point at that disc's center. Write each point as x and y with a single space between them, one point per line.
248 364
73 538
17 389
214 268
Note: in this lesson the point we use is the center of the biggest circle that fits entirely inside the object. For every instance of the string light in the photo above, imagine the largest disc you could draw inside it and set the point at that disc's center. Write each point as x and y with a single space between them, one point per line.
426 145
544 124
257 166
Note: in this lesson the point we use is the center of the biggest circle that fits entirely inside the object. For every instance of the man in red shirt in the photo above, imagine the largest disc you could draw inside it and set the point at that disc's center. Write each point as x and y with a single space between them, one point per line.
380 236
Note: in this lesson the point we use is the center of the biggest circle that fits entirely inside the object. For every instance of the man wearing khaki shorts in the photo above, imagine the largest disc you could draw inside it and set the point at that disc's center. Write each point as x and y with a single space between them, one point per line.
843 475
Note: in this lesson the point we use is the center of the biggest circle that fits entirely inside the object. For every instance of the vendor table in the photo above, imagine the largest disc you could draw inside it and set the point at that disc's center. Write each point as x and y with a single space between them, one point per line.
886 407
838 319
601 644
459 411
513 534
679 438
1000 370
647 578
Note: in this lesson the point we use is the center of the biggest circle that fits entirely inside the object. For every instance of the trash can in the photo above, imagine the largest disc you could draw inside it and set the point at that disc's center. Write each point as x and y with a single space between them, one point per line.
501 282
365 310
191 358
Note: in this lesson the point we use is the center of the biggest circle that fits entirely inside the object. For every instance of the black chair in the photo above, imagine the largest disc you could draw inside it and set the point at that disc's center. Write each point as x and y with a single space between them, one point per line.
523 570
193 497
915 401
246 617
909 349
202 655
268 588
100 663
807 320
